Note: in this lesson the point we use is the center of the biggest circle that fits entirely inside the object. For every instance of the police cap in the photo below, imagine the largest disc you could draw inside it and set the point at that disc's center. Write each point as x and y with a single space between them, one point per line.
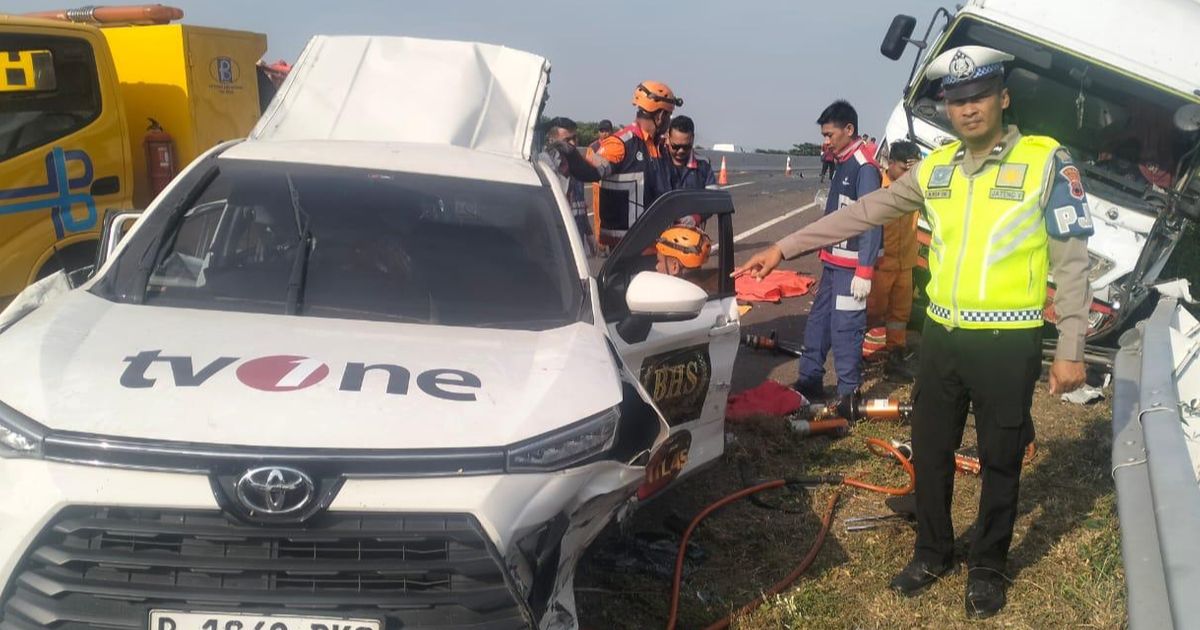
968 71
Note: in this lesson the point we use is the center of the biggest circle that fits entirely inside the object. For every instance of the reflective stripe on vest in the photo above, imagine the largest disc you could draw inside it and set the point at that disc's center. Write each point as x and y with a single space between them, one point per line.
989 250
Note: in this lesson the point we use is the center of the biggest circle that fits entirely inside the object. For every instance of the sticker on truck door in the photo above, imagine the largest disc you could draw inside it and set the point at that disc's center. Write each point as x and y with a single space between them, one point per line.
67 192
678 382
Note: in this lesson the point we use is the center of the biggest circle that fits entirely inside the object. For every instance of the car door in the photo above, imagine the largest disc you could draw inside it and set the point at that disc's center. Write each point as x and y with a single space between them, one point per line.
685 366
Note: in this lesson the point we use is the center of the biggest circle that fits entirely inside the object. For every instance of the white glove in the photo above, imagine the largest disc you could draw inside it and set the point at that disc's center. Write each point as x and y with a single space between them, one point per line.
860 288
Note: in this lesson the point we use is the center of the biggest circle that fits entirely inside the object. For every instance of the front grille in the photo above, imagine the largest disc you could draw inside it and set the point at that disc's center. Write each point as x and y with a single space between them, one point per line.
108 567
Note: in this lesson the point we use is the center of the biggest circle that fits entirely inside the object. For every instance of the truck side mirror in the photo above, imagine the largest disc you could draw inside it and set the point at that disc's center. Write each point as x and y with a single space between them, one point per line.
898 36
116 226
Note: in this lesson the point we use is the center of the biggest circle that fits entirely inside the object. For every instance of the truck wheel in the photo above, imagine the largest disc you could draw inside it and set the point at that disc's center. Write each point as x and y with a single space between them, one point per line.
72 258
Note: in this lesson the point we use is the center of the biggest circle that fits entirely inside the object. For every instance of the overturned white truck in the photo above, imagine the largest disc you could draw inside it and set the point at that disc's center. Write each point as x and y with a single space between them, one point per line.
1111 82
353 372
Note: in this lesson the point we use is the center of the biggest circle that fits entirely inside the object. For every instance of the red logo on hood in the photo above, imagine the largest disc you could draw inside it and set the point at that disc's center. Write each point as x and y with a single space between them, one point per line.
282 373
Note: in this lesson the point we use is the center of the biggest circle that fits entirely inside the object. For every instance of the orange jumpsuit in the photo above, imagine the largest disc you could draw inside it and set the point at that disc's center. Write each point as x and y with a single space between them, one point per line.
891 297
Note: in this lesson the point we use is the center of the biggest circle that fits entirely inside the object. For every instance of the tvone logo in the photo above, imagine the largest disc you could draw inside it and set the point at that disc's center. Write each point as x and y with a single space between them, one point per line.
287 373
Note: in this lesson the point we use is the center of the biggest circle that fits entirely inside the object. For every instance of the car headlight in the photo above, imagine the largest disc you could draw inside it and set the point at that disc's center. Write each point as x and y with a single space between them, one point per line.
19 436
566 447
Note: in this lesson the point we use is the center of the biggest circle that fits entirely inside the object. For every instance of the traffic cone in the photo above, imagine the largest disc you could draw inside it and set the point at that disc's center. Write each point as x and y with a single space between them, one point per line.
787 170
723 177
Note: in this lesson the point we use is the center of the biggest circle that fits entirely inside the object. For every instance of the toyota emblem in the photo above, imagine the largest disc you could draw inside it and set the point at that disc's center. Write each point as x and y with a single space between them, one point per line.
275 490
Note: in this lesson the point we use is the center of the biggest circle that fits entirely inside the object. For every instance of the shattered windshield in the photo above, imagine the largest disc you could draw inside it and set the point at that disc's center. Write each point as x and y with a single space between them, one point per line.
1119 129
359 244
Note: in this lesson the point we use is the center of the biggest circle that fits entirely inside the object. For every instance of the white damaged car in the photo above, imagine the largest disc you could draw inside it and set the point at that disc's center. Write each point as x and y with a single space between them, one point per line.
353 372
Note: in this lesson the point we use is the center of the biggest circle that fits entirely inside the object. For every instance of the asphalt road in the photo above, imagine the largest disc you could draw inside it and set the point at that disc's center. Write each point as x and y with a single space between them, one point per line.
768 207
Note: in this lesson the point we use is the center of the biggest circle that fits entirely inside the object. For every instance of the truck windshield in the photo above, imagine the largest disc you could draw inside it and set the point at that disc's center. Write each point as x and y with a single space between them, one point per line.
48 90
359 244
1119 129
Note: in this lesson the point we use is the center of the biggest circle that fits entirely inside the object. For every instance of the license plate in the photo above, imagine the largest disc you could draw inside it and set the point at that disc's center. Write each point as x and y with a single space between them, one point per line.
178 620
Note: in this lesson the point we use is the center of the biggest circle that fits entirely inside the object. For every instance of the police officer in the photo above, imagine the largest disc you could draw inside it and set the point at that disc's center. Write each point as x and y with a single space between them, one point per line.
1004 209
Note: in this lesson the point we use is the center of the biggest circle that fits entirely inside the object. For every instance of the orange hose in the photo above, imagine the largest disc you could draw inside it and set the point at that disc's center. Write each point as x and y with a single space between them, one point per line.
879 447
876 446
809 558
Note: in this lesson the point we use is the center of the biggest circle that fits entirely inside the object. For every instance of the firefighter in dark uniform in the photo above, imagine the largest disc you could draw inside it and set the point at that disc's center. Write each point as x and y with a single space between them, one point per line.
1004 210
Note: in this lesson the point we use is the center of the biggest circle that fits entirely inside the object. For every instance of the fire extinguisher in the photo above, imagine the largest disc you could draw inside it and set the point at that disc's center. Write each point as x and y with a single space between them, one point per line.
160 157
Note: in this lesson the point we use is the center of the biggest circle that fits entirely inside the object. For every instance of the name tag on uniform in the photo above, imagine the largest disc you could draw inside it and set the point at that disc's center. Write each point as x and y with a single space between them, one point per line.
1010 176
943 193
941 176
1010 195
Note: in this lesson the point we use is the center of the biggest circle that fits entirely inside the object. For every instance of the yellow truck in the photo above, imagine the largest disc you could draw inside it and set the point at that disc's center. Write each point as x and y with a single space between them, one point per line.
97 117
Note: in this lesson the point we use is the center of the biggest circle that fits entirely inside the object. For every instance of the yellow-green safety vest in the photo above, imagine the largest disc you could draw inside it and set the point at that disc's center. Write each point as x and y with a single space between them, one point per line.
989 249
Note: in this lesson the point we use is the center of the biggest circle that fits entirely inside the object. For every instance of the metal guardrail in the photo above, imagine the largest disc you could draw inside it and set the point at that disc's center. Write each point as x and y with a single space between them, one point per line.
1158 498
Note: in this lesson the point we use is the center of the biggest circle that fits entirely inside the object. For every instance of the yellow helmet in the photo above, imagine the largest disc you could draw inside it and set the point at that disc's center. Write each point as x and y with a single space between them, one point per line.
689 245
653 96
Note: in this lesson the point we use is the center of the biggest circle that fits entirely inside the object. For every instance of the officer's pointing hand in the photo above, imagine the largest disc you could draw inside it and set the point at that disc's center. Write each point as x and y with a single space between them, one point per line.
1065 376
760 264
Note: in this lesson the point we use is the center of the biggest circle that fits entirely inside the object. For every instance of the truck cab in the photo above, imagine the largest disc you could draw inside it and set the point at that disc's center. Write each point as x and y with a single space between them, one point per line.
76 100
1100 79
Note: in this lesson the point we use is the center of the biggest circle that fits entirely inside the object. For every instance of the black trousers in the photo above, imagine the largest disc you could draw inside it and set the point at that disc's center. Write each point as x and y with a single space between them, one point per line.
993 371
828 166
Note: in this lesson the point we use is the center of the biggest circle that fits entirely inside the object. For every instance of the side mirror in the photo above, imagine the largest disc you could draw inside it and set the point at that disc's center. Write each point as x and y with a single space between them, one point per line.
116 226
658 297
663 298
1187 118
898 36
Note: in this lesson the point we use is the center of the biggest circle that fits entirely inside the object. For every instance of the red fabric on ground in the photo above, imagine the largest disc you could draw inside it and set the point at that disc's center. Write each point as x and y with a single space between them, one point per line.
768 399
777 285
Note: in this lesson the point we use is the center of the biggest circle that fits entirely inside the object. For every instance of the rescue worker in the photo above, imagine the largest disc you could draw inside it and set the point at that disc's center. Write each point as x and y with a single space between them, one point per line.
838 318
685 170
828 161
890 301
603 130
682 251
561 135
628 164
1004 209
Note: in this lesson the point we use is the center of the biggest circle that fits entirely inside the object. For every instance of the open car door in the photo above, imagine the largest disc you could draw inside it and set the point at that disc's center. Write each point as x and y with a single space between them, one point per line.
686 366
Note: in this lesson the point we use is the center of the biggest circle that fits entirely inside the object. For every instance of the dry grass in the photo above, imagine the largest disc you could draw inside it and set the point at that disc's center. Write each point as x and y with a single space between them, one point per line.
1065 559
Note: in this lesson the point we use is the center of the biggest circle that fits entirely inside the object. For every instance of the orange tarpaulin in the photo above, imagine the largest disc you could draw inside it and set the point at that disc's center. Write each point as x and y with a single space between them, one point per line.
777 285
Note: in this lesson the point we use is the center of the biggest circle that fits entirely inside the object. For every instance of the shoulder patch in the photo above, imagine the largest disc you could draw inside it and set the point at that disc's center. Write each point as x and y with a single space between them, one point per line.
1070 173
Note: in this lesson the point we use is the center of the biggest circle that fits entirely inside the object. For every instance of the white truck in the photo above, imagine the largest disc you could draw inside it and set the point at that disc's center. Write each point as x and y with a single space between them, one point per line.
1110 82
353 372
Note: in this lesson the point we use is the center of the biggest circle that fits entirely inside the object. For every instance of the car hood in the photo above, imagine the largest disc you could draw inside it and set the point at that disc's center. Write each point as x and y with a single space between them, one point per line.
84 364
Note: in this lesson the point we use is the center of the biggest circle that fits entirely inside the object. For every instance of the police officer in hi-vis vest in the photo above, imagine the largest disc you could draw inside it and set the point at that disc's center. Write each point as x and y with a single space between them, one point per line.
1003 209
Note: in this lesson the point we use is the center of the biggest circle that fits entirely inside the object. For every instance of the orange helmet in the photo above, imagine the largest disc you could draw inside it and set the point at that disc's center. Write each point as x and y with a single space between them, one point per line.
689 245
653 96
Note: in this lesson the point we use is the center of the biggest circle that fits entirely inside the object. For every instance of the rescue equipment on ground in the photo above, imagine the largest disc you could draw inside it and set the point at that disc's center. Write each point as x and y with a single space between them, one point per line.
142 14
771 343
160 157
875 445
689 245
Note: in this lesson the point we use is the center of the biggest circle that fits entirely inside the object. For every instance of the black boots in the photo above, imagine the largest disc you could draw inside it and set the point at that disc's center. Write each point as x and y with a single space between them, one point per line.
918 576
985 593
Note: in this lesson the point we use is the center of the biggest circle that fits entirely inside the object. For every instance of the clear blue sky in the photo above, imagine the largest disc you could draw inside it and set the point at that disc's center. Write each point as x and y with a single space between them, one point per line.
752 72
